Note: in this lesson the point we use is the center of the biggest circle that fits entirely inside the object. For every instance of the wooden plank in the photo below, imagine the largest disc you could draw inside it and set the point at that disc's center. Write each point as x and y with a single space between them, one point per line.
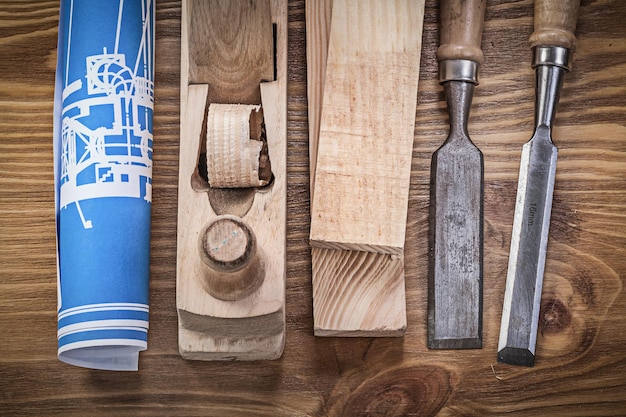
231 287
355 293
366 131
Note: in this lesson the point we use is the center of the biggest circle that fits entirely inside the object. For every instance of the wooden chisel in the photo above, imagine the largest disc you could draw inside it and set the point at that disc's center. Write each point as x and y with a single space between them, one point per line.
456 196
552 42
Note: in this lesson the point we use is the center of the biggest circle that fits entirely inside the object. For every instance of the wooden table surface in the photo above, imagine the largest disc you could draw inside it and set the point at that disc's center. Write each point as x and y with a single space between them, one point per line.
581 348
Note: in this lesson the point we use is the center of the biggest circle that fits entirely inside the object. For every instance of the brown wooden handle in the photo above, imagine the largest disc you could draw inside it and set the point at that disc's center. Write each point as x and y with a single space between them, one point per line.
555 23
461 30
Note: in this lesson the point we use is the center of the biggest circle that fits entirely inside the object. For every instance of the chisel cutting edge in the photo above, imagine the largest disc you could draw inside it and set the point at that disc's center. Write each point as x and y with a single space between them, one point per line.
456 204
552 42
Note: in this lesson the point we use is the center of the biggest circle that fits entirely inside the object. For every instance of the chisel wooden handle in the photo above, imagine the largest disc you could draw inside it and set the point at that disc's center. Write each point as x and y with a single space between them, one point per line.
461 30
555 22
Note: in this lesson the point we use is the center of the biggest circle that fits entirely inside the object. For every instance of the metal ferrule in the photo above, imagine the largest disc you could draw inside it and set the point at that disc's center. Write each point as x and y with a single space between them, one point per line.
458 70
552 55
549 78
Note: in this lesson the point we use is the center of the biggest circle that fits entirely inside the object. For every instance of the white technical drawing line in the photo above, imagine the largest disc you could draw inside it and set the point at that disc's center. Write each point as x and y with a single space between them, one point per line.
69 42
119 26
86 223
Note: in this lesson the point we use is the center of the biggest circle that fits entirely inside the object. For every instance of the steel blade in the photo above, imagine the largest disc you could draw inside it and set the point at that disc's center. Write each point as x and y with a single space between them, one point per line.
456 232
522 298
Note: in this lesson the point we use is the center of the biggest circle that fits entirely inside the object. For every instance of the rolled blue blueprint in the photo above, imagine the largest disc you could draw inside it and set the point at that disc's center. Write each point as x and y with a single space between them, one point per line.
103 142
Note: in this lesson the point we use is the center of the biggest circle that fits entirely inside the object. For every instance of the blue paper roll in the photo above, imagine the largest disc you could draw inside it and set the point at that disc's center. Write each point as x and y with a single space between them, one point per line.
103 142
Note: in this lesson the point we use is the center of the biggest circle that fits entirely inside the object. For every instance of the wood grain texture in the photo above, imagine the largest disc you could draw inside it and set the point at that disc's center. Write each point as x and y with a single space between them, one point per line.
581 350
357 293
231 48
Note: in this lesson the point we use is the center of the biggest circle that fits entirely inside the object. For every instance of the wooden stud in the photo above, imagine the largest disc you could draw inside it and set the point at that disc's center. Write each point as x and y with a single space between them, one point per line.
362 171
231 242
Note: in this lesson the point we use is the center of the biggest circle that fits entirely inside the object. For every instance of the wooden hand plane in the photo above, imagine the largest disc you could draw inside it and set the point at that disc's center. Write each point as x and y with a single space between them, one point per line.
232 180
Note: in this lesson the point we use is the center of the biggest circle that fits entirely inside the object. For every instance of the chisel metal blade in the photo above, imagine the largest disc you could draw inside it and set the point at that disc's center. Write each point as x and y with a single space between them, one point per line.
456 267
522 298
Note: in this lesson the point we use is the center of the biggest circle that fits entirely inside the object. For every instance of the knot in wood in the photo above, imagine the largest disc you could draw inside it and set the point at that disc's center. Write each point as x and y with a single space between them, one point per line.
418 391
555 316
